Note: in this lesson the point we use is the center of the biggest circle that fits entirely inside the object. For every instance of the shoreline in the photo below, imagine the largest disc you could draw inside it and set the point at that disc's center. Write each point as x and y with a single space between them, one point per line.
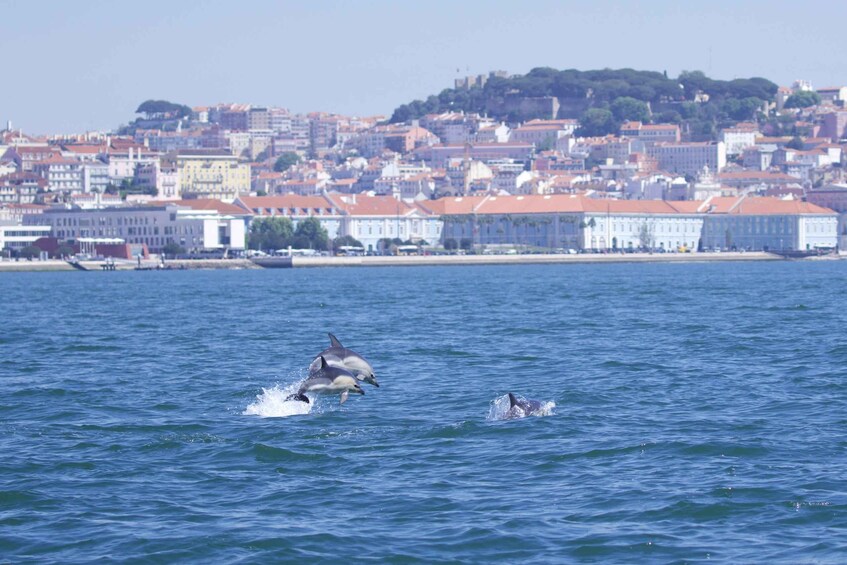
398 261
57 265
532 259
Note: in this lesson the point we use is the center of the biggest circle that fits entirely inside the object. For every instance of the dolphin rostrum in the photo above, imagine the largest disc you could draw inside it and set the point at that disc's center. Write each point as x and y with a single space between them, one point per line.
328 380
339 356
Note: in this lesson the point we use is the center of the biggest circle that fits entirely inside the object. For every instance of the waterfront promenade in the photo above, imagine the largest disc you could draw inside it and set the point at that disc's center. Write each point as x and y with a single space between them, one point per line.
413 260
389 261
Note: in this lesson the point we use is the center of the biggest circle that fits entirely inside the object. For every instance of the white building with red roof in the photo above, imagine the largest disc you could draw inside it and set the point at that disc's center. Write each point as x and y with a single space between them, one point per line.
61 173
438 155
370 219
367 218
739 138
765 223
568 221
296 207
124 156
543 132
577 221
747 179
651 133
25 156
689 157
21 188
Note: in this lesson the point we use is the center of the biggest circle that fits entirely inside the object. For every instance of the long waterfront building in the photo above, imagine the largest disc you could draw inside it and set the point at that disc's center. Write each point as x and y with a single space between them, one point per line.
579 222
156 226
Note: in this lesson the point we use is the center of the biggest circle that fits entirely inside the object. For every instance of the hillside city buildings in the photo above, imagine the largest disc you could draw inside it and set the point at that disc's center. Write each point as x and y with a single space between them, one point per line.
200 181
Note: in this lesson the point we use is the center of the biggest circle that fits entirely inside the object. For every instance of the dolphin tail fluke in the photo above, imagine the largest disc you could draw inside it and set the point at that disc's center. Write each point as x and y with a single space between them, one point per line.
299 396
333 341
512 400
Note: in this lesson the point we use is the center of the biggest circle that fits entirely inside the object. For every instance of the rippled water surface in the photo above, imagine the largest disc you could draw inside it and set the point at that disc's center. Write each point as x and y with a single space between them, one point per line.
699 415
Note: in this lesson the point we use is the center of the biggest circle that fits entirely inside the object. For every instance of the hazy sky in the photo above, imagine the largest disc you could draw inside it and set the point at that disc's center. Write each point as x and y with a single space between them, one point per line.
70 66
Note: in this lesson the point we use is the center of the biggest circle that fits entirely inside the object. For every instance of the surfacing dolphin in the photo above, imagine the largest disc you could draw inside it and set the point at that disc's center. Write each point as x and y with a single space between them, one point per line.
339 356
328 380
522 407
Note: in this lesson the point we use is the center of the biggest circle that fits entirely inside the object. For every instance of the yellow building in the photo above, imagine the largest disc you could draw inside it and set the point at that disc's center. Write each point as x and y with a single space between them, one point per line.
212 174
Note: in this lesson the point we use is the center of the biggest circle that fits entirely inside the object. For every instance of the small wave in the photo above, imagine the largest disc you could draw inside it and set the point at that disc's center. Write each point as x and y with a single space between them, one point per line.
83 348
794 307
500 409
272 403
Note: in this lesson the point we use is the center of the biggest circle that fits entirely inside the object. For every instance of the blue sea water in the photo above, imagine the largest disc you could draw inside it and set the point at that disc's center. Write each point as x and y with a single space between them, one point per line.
700 415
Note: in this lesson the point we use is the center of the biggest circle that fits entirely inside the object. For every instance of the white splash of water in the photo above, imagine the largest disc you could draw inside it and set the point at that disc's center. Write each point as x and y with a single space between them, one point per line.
272 403
500 409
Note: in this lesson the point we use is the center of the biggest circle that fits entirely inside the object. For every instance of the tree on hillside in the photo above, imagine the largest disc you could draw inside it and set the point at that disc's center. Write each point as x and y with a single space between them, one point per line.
668 117
693 82
803 99
286 161
742 109
626 108
796 143
609 90
162 109
755 87
595 122
503 98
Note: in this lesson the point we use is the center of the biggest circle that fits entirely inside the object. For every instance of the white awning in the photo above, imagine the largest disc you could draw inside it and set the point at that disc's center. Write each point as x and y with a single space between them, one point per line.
100 240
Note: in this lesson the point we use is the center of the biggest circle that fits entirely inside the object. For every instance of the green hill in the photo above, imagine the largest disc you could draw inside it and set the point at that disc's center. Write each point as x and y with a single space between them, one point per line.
692 97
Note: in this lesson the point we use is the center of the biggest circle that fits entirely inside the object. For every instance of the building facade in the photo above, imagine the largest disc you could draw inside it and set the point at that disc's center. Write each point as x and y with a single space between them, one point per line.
155 226
212 174
366 218
768 224
578 222
689 158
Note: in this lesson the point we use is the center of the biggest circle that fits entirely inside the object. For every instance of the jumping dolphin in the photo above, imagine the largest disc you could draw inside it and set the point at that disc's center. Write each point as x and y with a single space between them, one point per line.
328 380
339 356
520 407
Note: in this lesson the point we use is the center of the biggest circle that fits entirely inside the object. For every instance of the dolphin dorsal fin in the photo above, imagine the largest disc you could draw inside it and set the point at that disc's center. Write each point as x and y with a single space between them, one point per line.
333 341
324 364
512 400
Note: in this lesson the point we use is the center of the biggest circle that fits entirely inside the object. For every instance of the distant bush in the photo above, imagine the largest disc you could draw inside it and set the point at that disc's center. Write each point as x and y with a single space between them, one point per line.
29 252
803 99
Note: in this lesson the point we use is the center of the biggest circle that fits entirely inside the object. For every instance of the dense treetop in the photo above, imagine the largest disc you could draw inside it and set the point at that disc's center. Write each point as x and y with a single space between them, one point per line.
161 107
286 161
604 89
803 99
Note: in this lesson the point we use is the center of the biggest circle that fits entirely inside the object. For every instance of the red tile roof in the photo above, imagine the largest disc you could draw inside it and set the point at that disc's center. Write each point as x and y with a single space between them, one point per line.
762 206
363 205
205 204
452 205
285 202
757 175
84 149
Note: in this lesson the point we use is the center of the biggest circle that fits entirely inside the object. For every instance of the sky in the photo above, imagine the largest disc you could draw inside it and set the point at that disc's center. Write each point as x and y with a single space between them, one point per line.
85 65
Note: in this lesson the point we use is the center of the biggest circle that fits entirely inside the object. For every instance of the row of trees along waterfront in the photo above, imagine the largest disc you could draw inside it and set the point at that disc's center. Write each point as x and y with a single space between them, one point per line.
270 234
